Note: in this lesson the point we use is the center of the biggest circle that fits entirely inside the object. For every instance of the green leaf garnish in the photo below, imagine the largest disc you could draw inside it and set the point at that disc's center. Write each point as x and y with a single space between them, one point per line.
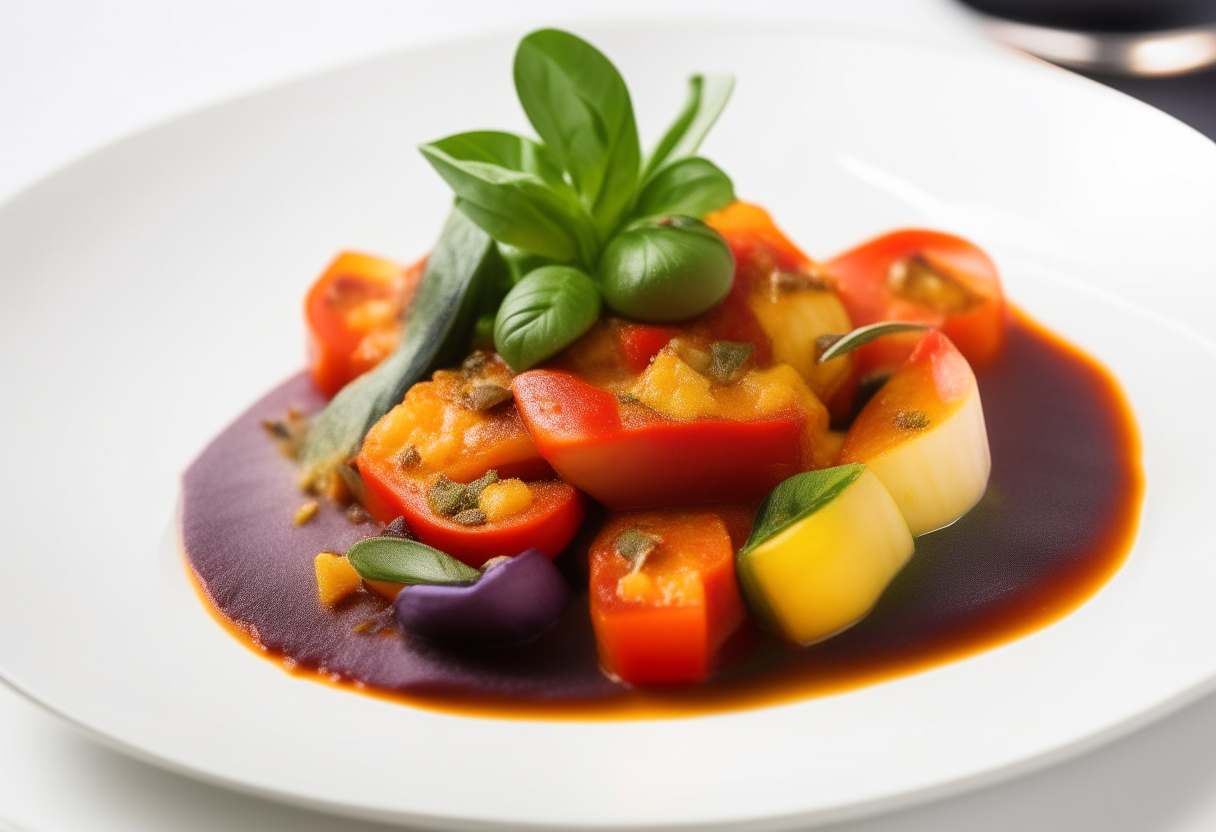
800 496
511 187
707 96
833 346
728 357
545 312
580 106
463 272
403 561
692 187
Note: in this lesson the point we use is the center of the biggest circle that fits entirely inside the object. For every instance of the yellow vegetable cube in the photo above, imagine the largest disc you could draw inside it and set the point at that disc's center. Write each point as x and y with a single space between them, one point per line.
336 578
827 570
675 389
504 498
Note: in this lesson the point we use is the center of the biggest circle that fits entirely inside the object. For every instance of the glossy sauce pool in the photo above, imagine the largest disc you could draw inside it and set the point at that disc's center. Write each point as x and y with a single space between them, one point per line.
1058 519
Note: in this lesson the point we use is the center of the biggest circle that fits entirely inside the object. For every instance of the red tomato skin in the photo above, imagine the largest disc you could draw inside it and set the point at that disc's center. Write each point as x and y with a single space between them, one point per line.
333 359
640 462
861 276
641 343
549 524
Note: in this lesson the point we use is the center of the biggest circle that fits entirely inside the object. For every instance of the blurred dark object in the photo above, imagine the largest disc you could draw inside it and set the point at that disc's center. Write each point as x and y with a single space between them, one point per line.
1115 37
1134 16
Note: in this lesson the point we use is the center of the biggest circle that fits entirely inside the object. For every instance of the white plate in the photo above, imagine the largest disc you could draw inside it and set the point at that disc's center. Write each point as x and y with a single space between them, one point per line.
151 292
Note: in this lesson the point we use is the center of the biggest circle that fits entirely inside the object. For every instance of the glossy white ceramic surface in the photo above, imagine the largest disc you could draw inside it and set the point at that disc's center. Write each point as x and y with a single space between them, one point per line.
159 294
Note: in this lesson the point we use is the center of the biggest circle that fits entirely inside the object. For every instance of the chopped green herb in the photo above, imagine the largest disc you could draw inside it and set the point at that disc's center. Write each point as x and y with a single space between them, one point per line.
486 396
728 358
635 545
911 420
471 517
445 497
473 490
409 458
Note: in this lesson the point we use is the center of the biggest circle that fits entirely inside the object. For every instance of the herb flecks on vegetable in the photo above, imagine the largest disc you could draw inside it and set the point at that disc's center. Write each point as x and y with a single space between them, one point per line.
405 561
486 396
911 420
452 499
635 545
835 345
464 273
728 359
573 200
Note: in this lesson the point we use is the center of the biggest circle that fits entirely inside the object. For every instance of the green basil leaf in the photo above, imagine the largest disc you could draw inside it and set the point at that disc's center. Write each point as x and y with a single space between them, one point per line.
407 562
528 206
798 497
578 103
666 269
506 150
692 187
464 273
544 313
707 96
832 346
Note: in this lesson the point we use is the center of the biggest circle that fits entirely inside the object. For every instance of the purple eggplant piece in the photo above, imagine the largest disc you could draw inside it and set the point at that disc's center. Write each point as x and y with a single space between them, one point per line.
511 603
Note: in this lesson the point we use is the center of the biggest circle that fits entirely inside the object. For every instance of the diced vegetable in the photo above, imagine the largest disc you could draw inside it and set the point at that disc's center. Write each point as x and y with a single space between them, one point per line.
336 578
923 435
663 595
627 456
434 455
925 277
792 298
513 601
354 313
825 546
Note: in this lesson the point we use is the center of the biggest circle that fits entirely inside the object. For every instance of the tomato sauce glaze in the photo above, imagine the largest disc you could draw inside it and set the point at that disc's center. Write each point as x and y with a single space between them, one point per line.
1057 521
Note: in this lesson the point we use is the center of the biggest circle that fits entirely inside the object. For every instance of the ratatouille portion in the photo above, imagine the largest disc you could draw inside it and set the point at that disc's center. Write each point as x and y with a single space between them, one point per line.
608 360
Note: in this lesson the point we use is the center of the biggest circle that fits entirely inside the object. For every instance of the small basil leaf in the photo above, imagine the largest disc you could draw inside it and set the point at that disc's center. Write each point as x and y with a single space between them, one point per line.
832 346
580 106
692 187
800 496
463 272
506 150
666 270
544 313
516 207
707 96
403 561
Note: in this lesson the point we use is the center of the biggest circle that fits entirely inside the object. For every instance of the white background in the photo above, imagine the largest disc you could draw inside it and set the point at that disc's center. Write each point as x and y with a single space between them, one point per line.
76 75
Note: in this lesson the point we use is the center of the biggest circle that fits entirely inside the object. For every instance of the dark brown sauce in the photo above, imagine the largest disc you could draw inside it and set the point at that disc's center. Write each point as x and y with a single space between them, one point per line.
1057 521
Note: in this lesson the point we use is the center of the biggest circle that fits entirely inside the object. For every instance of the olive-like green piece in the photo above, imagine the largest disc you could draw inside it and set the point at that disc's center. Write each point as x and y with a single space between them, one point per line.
666 269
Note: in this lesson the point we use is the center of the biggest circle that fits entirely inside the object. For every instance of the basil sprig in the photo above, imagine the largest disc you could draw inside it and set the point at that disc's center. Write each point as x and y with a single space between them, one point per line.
561 201
403 561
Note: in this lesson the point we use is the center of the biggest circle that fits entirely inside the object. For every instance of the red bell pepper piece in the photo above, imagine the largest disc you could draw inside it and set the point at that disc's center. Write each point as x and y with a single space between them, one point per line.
353 315
927 277
661 614
639 459
436 432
